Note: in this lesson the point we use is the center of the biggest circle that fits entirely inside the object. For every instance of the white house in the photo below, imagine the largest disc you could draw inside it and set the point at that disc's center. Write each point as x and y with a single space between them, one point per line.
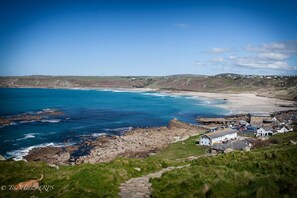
265 131
274 119
284 129
217 137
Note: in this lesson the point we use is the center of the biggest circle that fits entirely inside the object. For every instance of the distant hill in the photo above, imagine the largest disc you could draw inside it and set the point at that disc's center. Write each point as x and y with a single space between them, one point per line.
283 87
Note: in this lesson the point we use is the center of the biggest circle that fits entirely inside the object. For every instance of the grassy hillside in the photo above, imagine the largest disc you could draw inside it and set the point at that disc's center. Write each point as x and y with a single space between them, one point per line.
265 172
88 180
271 86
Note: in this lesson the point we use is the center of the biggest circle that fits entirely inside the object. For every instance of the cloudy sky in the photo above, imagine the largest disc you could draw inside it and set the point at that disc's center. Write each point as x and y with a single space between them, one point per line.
144 37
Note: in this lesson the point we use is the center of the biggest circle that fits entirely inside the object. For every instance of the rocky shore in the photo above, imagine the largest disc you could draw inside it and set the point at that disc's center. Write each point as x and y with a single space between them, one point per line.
30 117
139 142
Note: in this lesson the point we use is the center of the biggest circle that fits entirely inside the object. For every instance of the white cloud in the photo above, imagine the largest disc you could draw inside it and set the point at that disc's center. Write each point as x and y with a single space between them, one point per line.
217 50
181 25
217 60
285 47
260 63
269 56
273 56
274 46
265 57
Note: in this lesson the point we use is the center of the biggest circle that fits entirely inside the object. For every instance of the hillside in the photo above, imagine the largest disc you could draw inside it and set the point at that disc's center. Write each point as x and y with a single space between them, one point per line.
282 87
268 171
263 172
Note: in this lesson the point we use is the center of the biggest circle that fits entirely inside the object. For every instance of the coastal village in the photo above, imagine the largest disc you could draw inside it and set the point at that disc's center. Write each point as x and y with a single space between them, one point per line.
241 132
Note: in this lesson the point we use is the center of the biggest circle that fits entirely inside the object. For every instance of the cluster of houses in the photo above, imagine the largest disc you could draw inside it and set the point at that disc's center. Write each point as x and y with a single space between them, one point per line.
239 133
225 141
262 126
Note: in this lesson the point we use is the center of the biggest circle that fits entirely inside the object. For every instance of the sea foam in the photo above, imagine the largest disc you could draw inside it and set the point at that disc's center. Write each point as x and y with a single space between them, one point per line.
27 136
18 154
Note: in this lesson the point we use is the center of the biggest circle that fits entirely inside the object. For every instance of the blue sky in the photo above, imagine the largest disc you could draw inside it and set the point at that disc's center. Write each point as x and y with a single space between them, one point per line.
148 37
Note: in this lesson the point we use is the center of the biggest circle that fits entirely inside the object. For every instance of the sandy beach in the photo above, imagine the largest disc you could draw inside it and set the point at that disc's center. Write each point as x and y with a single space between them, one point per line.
237 103
244 102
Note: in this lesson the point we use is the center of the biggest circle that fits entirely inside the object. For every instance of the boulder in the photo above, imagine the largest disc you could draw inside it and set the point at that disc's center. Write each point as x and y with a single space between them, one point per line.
2 158
62 157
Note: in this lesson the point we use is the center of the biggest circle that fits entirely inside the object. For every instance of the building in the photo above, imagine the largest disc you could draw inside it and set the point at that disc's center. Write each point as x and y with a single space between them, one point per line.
258 118
242 145
249 131
283 129
265 131
217 137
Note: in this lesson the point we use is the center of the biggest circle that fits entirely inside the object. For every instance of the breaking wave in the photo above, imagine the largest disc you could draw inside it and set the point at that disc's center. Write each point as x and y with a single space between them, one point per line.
18 154
27 136
98 134
121 129
51 121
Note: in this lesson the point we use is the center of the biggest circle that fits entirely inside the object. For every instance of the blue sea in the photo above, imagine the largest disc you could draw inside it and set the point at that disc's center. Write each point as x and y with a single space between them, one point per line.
89 113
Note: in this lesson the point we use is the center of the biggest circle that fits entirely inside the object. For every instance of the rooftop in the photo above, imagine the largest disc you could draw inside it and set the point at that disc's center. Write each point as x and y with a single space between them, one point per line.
220 133
268 128
236 145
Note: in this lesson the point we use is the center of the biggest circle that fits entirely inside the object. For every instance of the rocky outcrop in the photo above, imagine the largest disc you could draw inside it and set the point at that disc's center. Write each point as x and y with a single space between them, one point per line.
139 142
29 117
135 143
50 155
62 157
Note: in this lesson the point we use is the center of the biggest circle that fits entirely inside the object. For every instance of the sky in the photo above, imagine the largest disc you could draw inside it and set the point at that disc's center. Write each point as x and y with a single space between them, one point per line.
151 38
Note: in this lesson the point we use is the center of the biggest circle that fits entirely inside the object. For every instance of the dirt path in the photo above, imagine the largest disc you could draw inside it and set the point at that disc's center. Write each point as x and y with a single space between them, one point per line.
140 187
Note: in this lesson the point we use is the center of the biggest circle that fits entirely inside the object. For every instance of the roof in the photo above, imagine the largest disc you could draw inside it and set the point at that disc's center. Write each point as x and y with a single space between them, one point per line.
286 126
267 128
250 140
220 133
236 145
286 117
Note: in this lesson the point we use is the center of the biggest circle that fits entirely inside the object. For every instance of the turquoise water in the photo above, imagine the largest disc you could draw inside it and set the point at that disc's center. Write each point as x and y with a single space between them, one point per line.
89 113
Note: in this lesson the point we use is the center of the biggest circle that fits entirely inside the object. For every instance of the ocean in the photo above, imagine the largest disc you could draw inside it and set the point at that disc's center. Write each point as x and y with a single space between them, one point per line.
88 113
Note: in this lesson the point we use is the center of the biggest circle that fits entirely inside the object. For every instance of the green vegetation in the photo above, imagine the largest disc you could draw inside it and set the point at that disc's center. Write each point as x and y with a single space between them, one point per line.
87 180
268 171
264 172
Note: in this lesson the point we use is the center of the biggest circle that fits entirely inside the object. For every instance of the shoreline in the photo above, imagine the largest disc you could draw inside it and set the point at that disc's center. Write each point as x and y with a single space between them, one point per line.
138 142
242 103
236 103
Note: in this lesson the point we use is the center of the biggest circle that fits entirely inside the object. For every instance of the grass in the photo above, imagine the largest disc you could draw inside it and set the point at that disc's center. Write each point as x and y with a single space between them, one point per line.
97 180
177 153
264 172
